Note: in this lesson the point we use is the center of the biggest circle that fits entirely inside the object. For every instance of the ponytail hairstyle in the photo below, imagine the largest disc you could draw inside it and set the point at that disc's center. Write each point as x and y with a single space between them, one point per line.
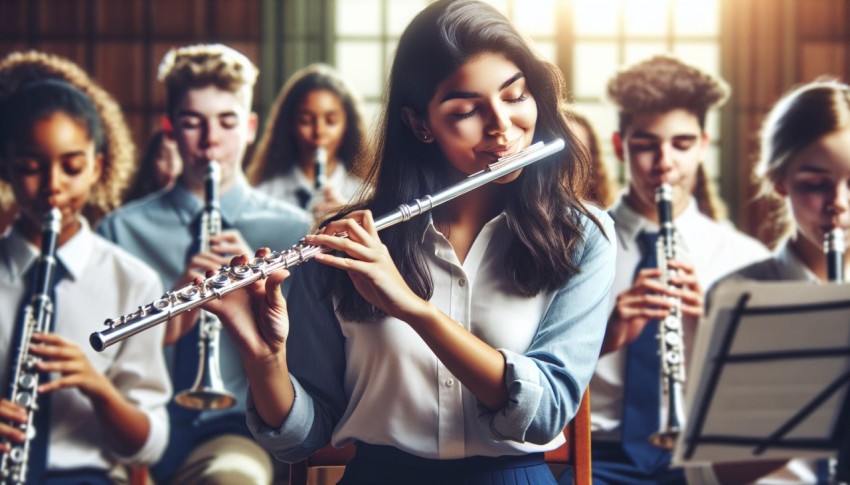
799 118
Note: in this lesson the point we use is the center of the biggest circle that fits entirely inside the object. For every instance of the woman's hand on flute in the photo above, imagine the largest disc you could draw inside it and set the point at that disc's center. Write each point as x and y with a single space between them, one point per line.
369 265
255 319
258 324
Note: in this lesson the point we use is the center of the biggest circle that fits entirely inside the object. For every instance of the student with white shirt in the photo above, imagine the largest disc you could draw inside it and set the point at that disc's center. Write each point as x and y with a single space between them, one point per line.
315 109
662 104
455 347
105 409
805 162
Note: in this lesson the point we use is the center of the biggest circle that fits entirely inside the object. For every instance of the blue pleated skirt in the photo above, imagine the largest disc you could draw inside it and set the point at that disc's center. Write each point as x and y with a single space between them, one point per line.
385 465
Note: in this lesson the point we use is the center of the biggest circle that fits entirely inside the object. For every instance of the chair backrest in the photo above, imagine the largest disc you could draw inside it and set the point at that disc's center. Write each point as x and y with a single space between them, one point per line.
576 451
326 465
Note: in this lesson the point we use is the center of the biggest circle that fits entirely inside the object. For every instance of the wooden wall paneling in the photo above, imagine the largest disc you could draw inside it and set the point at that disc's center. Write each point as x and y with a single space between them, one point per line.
125 18
184 19
759 71
158 51
822 19
65 18
76 51
14 18
7 47
236 19
822 59
119 67
138 124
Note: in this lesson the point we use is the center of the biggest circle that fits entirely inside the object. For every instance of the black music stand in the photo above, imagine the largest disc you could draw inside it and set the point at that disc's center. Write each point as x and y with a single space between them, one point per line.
770 376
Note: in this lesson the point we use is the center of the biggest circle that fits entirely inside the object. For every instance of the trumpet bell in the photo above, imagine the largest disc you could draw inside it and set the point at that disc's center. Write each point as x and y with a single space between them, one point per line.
205 399
208 392
665 439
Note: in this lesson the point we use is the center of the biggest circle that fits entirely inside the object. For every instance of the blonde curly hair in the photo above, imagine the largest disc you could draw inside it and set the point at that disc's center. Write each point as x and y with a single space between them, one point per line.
202 65
119 156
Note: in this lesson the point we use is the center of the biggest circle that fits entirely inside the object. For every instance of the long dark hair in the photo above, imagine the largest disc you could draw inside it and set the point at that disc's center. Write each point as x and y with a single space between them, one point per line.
277 151
543 209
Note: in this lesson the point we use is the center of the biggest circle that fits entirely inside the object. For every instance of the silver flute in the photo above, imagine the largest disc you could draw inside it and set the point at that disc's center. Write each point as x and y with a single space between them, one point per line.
670 333
232 278
23 385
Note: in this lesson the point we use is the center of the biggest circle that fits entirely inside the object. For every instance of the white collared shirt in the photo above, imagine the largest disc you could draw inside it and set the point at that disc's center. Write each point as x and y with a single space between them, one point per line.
379 382
286 187
713 248
103 282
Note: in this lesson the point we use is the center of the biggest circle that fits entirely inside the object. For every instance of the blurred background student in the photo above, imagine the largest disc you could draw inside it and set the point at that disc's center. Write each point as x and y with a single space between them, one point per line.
805 165
19 68
159 166
601 189
315 110
95 412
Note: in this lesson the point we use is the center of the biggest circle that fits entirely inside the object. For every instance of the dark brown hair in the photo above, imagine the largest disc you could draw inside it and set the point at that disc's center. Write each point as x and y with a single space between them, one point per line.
277 151
544 213
663 83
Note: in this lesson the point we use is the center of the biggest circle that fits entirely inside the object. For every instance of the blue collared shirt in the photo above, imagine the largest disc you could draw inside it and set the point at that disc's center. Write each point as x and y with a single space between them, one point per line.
378 382
157 229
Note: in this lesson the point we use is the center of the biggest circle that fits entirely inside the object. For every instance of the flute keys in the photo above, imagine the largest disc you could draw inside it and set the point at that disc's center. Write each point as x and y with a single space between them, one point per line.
241 270
272 257
189 293
220 280
161 304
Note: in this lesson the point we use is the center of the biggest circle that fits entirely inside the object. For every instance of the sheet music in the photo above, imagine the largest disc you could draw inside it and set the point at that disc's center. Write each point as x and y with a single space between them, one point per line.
752 399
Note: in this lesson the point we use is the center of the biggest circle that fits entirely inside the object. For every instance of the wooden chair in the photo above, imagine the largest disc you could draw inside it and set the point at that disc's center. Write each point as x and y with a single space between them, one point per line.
576 451
326 465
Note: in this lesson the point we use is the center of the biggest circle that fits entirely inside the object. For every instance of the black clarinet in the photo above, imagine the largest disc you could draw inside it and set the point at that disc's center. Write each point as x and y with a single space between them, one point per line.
671 344
23 384
833 248
321 162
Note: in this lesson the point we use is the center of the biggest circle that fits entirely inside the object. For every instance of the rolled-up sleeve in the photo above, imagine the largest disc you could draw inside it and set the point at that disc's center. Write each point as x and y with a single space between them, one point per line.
316 359
546 383
140 375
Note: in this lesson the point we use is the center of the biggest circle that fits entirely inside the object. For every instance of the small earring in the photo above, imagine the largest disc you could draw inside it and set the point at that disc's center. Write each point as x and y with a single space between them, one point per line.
424 137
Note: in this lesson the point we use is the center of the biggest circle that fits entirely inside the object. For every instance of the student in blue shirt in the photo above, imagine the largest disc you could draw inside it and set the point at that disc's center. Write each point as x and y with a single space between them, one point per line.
209 90
455 347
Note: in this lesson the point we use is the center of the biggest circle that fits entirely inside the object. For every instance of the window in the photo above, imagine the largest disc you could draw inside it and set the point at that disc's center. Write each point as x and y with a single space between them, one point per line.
588 39
608 34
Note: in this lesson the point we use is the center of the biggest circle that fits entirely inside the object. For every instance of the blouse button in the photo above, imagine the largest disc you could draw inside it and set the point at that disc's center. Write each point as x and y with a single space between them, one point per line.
461 282
450 382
